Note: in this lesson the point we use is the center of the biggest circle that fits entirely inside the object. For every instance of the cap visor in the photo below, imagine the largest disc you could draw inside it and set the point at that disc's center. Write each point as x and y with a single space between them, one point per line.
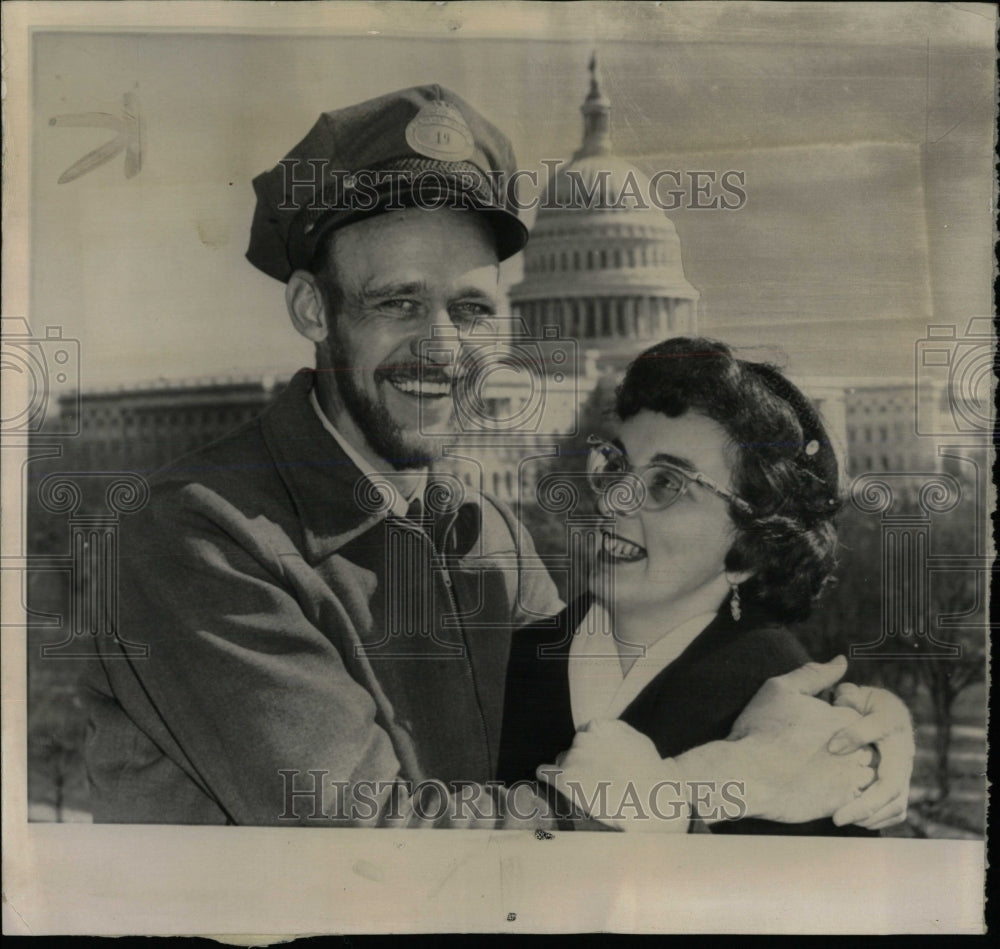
437 193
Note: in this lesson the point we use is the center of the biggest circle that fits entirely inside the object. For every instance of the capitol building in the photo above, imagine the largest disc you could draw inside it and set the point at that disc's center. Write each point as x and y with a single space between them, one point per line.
603 278
602 268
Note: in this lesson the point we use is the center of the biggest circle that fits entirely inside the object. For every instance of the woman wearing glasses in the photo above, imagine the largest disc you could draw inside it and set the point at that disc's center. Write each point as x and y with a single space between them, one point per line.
720 490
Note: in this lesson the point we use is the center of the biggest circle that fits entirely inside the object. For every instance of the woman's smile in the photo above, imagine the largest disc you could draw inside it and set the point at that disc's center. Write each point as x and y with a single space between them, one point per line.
616 549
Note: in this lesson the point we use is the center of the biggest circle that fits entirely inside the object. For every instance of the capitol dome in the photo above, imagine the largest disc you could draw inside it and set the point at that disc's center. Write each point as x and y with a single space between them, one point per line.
603 263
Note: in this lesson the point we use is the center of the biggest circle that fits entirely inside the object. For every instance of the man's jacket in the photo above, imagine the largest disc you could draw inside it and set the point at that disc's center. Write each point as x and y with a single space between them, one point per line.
294 625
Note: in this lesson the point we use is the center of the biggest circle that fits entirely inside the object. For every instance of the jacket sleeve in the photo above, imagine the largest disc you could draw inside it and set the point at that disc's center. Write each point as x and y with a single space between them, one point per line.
247 698
238 686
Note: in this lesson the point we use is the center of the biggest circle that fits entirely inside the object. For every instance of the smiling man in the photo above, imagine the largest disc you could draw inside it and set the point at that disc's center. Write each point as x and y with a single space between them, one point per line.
392 281
328 620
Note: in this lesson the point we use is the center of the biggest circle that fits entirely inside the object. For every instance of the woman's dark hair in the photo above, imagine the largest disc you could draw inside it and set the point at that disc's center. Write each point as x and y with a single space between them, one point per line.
785 467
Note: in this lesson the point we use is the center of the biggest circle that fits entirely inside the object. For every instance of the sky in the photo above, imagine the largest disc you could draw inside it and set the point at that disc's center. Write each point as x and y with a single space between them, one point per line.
865 135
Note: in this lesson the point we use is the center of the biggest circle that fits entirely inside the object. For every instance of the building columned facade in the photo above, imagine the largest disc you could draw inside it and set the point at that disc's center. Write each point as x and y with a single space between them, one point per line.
145 427
881 430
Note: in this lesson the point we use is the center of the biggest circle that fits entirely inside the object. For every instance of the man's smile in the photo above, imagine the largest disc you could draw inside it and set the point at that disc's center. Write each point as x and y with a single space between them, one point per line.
421 382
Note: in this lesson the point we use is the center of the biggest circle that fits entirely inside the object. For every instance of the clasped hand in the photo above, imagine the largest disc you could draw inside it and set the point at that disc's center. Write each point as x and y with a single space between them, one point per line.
794 757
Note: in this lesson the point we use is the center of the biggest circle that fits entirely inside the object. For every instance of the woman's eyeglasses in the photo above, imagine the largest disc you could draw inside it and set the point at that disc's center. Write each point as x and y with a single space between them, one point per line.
656 486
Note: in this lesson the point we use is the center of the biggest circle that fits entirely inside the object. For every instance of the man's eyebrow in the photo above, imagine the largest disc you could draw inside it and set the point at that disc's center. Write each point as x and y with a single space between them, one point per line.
660 458
475 293
372 290
378 290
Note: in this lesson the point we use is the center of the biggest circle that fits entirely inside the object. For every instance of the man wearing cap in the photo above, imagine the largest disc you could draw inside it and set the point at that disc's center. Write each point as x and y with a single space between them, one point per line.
327 619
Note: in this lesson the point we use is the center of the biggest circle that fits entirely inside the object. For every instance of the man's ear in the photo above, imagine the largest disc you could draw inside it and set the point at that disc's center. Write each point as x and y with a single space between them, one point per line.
306 306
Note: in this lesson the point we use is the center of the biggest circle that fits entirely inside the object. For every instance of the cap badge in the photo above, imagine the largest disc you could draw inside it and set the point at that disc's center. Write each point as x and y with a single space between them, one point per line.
439 131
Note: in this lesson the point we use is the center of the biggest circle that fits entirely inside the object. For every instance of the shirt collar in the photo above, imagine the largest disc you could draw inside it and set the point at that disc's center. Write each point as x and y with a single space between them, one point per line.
597 687
399 504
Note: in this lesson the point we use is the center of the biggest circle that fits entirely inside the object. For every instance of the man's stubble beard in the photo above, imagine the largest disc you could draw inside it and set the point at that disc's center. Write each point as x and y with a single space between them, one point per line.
402 449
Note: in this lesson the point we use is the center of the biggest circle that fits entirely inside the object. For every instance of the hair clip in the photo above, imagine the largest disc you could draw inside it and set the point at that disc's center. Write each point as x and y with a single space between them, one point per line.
812 447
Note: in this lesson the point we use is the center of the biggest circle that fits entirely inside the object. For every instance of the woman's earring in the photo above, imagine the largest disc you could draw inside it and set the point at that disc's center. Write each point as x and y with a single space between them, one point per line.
734 602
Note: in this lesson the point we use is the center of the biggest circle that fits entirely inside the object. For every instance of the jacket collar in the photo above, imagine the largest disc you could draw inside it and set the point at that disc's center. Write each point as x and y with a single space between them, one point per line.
722 626
334 501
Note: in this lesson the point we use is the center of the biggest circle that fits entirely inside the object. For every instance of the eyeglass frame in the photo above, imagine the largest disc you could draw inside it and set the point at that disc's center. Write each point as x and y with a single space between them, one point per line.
687 479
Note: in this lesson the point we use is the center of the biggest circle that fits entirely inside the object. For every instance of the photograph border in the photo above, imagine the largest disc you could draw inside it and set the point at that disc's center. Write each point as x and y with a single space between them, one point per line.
269 882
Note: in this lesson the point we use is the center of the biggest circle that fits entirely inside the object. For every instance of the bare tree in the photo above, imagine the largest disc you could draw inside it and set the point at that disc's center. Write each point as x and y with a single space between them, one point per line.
56 729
